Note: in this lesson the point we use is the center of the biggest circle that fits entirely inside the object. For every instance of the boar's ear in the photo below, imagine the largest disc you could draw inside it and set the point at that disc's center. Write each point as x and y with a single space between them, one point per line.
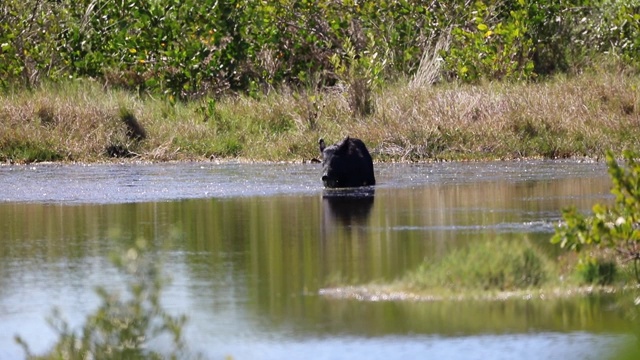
322 145
344 145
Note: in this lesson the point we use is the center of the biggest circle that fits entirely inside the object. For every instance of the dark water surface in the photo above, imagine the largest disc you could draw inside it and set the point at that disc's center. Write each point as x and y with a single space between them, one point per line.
248 247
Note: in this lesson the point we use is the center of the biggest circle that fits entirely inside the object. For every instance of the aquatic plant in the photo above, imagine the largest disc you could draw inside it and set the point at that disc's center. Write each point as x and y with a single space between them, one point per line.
122 326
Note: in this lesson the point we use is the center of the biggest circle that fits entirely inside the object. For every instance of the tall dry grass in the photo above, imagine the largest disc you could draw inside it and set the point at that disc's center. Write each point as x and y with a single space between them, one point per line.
562 117
581 115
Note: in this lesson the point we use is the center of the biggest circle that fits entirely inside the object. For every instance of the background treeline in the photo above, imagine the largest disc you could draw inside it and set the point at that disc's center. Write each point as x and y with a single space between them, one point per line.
187 49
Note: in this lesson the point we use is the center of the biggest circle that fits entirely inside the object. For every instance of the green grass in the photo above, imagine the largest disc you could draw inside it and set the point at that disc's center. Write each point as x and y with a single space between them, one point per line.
485 265
28 151
495 269
498 269
565 116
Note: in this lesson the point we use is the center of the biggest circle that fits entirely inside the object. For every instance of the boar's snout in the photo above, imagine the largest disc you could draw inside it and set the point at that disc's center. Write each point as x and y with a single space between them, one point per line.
328 181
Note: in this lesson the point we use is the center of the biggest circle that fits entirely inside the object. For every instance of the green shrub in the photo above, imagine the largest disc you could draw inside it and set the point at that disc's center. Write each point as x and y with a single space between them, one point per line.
490 46
121 327
190 49
29 47
615 227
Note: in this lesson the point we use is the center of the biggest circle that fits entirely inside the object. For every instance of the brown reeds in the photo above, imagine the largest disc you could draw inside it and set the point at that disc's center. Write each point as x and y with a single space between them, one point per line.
566 116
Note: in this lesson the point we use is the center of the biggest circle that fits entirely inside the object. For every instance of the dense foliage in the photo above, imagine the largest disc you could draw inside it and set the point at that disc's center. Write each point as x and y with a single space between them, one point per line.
190 48
615 227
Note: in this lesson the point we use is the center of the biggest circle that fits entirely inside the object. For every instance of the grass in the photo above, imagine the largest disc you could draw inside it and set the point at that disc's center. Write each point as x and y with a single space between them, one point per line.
494 264
498 269
565 116
491 267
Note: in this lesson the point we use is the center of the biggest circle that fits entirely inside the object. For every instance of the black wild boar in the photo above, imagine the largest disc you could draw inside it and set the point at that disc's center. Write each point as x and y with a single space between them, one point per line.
346 164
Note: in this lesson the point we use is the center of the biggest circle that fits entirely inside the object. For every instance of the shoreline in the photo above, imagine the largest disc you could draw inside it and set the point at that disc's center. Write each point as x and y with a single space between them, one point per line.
242 160
377 293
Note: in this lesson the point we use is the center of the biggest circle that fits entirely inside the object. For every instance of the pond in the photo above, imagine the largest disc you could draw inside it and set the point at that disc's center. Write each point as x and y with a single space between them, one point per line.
248 247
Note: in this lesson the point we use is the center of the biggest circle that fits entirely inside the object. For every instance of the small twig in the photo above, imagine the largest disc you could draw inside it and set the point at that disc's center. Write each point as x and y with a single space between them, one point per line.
630 252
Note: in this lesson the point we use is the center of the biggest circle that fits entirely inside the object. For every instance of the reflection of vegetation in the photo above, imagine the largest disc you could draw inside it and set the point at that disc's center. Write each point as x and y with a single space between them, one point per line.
494 264
616 227
121 327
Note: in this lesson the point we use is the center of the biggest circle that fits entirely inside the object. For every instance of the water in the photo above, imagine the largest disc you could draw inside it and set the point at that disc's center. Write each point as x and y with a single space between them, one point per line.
249 246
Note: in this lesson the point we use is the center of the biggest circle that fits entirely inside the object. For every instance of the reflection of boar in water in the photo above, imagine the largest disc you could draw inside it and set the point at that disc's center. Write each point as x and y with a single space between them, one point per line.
346 164
349 207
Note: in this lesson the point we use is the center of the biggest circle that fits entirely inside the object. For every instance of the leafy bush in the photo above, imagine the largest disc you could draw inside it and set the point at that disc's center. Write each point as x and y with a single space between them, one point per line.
28 41
192 48
121 327
616 227
189 49
615 28
490 46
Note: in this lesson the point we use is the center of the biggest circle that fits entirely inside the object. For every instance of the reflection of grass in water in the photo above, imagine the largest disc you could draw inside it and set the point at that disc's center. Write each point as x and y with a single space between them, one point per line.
496 264
122 326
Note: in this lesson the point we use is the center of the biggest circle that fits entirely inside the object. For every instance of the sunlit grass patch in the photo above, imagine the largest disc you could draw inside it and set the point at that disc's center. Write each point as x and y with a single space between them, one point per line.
76 120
